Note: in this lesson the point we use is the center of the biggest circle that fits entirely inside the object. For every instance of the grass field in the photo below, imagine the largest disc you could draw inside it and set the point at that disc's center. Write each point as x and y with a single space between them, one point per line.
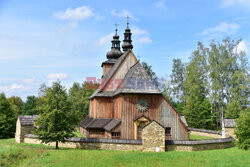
196 137
12 154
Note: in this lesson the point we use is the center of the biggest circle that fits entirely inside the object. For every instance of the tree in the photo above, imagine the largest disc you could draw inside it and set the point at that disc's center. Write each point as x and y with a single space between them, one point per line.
243 129
198 108
228 76
57 120
30 106
79 96
233 109
177 80
7 118
16 105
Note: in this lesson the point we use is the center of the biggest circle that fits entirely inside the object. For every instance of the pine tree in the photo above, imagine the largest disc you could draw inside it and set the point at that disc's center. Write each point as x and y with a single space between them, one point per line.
57 120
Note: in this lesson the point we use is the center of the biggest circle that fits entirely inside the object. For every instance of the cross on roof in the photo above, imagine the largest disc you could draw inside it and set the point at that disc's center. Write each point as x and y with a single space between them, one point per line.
127 20
116 25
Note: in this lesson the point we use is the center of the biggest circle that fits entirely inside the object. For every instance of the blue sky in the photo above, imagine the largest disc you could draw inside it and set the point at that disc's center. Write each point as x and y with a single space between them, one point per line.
49 40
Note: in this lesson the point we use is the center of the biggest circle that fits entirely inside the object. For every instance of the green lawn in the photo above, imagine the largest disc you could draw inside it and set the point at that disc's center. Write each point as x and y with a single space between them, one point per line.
196 137
12 154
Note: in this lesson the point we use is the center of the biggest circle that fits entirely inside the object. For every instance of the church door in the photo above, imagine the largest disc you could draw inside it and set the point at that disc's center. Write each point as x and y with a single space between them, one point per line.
139 130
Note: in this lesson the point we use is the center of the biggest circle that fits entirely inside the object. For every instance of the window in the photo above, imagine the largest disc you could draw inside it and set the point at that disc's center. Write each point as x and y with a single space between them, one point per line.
116 134
96 131
168 131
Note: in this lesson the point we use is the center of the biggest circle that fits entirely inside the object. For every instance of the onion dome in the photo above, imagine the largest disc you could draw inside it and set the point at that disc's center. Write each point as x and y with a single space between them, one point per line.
115 52
127 42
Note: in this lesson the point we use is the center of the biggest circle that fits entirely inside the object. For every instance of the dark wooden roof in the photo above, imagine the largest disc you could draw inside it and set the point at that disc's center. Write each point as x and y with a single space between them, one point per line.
229 123
112 124
27 119
110 61
100 123
197 142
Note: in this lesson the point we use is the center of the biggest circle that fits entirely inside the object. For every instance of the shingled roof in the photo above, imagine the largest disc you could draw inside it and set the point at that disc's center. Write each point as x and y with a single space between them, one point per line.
110 61
99 123
138 81
27 119
135 74
229 123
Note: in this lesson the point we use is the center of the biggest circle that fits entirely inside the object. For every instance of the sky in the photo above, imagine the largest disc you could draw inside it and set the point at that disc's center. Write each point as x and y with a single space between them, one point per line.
67 40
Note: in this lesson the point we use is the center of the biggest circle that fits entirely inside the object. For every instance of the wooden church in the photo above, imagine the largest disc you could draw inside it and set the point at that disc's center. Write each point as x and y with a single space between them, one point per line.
128 100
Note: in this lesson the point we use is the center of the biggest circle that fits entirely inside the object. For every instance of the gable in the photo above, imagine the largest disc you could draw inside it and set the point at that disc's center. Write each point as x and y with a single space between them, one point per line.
120 78
120 73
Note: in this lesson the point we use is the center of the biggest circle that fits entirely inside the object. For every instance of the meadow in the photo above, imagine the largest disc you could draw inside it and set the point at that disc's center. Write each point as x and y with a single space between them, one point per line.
33 155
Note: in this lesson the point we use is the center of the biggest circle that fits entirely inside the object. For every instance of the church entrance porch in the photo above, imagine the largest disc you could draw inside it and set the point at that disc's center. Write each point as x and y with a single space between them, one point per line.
140 122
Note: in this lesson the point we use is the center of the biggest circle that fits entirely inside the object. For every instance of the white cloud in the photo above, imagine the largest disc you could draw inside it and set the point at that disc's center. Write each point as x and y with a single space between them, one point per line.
73 24
242 47
161 5
141 36
137 31
144 40
29 80
233 3
13 87
226 28
56 77
123 13
104 40
79 13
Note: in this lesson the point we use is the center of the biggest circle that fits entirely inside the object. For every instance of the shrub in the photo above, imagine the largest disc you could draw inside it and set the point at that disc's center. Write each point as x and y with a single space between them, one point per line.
243 130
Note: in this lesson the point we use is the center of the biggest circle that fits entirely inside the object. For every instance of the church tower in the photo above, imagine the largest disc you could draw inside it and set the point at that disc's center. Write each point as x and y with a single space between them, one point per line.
113 54
127 42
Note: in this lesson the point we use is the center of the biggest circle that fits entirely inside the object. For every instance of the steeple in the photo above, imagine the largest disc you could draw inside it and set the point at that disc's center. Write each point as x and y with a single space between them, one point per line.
115 52
127 42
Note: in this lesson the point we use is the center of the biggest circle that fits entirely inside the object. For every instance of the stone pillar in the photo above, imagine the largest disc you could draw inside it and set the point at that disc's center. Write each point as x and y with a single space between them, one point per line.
153 137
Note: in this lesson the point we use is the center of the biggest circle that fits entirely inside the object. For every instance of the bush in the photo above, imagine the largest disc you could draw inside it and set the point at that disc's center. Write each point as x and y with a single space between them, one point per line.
243 130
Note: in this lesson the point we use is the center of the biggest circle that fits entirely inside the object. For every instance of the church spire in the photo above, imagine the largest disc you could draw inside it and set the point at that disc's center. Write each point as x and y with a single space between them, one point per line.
127 42
115 52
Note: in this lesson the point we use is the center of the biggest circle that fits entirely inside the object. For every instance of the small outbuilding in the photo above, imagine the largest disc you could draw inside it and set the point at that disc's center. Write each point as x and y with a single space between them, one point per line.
230 127
24 125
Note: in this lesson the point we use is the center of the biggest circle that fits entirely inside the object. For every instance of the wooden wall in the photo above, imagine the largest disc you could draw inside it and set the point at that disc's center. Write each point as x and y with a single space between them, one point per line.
106 68
123 107
101 108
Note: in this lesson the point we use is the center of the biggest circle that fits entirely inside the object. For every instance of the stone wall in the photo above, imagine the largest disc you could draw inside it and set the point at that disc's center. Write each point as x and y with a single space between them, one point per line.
206 133
230 132
93 144
199 145
153 137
